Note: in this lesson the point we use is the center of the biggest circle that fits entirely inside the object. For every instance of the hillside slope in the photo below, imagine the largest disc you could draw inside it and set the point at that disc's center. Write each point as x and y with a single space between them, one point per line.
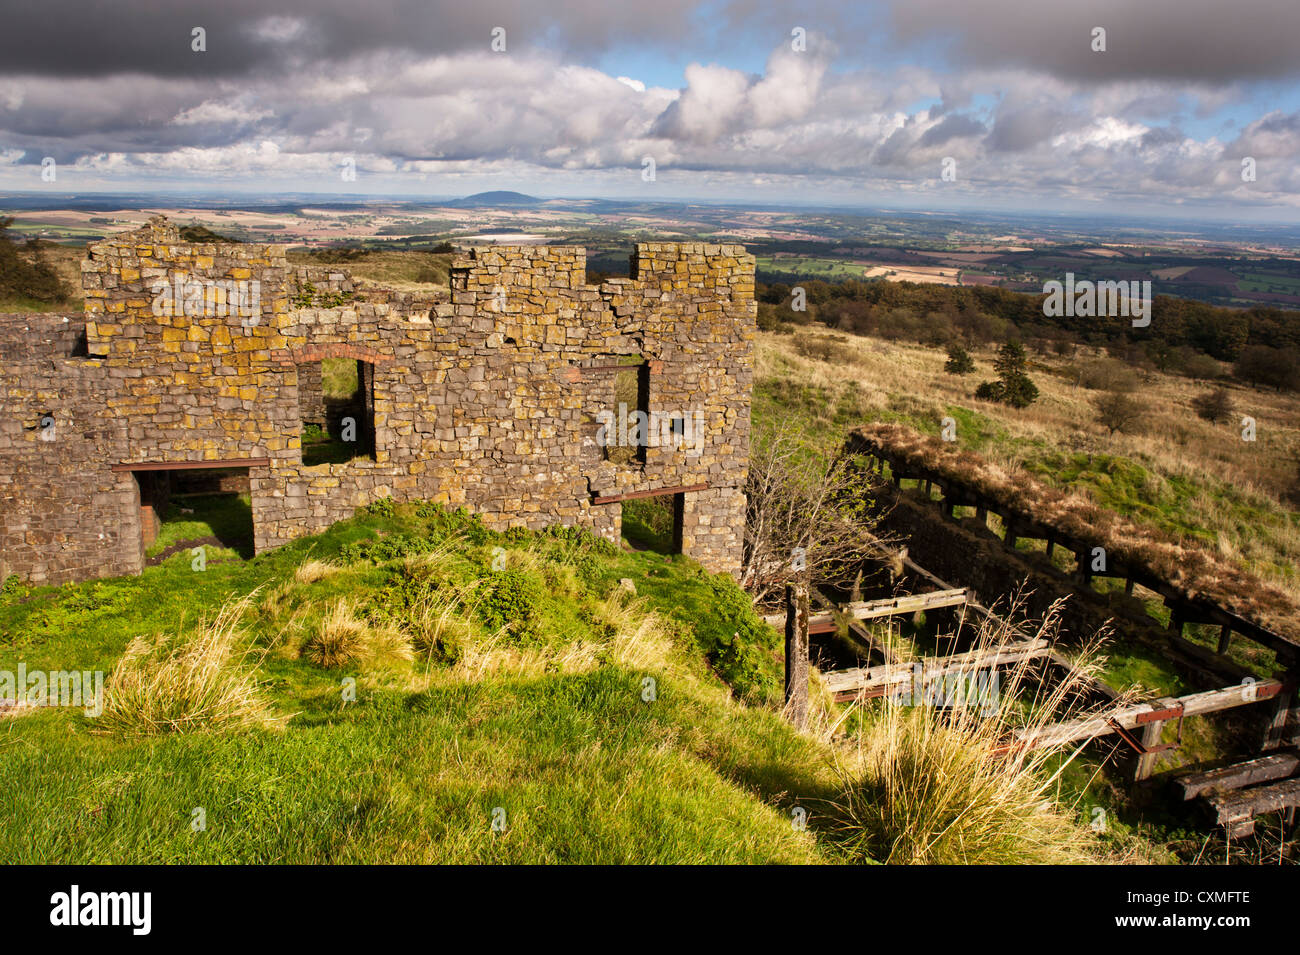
498 678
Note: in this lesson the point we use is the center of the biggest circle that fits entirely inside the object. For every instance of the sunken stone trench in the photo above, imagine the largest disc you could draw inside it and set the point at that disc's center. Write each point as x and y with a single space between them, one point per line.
194 356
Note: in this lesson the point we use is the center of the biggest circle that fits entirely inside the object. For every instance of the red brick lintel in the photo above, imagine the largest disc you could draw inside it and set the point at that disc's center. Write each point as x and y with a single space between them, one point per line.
310 353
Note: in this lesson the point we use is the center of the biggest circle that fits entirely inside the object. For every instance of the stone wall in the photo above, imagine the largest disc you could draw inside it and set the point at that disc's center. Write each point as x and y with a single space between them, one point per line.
483 395
64 514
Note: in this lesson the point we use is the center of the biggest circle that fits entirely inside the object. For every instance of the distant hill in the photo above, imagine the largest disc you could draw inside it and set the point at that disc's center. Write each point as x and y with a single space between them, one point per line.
200 233
497 198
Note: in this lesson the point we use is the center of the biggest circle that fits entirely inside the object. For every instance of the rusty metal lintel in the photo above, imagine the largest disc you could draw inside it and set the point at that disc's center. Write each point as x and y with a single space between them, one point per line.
1136 743
1160 716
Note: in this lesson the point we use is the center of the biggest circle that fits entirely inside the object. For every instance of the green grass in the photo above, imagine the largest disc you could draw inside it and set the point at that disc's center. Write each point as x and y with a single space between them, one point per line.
322 449
227 517
383 267
822 268
648 523
586 769
338 377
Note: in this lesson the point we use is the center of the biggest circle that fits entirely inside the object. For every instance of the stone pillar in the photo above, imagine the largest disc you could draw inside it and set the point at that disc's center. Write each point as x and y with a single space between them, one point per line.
713 528
311 399
607 521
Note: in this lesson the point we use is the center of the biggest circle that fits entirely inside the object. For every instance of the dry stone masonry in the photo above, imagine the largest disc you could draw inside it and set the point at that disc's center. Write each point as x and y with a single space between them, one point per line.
484 395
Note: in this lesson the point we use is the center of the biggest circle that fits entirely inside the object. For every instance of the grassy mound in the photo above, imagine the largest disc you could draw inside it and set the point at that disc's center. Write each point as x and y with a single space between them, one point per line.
410 686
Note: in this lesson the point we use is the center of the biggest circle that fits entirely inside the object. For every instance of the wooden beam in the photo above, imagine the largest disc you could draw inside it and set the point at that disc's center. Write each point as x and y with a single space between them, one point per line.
1234 808
909 603
656 492
1275 734
870 682
796 652
1150 739
1227 778
193 465
1194 704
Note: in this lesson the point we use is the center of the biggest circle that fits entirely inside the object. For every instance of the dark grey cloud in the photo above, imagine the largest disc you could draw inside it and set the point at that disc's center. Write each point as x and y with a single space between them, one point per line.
77 38
1219 41
1204 40
1015 130
952 127
411 90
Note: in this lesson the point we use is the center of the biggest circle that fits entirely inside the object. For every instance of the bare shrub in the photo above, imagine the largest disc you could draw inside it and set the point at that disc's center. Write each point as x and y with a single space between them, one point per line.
1119 411
1213 406
803 497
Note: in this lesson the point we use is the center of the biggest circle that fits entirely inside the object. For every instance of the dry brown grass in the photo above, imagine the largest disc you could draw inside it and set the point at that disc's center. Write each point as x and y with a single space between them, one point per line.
930 786
314 570
343 638
1174 440
204 680
1174 444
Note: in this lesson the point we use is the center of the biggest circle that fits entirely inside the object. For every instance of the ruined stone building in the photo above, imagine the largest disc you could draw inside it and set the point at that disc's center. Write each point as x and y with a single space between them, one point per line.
496 394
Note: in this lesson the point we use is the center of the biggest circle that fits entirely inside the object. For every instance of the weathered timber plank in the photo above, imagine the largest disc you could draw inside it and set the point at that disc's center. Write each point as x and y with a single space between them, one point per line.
1195 704
1242 805
892 674
1227 778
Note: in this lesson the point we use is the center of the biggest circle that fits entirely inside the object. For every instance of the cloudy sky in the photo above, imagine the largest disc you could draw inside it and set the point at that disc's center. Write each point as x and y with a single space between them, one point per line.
751 100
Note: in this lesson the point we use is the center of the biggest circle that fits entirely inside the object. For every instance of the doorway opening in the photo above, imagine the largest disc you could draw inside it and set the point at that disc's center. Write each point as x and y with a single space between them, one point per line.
336 402
654 523
182 509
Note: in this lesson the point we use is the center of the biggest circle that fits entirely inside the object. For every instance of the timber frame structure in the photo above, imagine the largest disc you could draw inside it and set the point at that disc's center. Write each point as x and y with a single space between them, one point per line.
1233 793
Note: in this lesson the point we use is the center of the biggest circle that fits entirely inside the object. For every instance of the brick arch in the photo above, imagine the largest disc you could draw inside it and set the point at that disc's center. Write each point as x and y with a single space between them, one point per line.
309 353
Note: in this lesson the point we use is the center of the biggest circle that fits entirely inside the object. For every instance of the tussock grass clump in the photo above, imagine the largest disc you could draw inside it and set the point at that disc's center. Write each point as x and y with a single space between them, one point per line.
441 623
314 570
641 639
345 639
203 680
932 785
623 633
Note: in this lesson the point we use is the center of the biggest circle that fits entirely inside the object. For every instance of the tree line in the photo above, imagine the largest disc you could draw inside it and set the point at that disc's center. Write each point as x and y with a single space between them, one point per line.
1184 336
24 271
